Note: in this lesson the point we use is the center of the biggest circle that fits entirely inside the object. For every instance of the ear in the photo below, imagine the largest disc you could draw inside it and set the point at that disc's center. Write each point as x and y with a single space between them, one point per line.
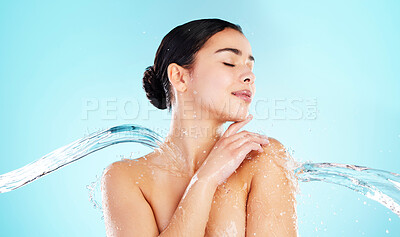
177 75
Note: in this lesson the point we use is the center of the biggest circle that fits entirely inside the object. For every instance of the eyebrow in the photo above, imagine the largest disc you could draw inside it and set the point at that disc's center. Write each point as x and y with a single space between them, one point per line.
235 51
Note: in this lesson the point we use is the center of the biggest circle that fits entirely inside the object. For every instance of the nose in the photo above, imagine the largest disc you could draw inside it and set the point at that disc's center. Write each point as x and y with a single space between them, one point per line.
249 77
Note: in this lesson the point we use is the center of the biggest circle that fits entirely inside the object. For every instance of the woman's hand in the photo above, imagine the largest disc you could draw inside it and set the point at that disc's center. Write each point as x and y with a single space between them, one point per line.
229 152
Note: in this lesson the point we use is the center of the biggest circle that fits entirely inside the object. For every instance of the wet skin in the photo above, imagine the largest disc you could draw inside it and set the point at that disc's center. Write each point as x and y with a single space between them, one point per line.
235 203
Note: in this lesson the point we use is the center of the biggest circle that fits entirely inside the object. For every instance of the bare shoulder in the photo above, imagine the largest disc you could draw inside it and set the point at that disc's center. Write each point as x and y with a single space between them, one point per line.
122 167
274 147
273 157
274 152
126 172
117 175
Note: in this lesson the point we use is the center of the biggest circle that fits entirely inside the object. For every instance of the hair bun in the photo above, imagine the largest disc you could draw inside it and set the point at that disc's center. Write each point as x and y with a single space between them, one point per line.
154 89
150 70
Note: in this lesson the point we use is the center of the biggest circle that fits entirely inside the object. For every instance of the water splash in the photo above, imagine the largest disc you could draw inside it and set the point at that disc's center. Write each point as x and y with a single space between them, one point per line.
94 194
75 151
379 185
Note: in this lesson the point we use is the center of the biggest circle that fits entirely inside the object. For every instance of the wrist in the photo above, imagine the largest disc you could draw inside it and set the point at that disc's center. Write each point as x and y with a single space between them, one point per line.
202 177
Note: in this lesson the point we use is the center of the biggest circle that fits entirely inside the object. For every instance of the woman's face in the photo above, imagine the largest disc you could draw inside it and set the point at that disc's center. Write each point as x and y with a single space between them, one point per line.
216 75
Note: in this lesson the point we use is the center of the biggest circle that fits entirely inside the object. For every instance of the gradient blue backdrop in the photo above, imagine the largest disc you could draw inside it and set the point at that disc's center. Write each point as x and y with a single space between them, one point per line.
74 67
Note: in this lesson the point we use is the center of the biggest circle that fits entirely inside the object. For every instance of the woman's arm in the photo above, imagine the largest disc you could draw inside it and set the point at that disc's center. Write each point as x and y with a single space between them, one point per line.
191 216
271 205
127 213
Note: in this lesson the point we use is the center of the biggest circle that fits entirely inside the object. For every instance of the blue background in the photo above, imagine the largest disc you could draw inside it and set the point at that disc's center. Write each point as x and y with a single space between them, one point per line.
58 57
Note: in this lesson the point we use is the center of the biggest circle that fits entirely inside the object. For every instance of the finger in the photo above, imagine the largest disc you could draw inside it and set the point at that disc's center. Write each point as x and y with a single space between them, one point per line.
247 147
234 127
248 138
245 133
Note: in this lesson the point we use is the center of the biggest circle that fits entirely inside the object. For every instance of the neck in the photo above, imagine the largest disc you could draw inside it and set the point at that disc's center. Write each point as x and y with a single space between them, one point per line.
191 139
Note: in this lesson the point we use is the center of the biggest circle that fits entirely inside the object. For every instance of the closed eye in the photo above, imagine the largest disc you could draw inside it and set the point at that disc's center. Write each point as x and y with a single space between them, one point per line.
227 64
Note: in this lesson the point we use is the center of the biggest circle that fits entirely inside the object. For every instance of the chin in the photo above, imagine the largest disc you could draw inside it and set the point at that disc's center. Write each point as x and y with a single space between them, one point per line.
232 110
238 111
240 117
238 114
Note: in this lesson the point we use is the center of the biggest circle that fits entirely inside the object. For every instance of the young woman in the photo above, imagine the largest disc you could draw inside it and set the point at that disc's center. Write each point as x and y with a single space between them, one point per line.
203 181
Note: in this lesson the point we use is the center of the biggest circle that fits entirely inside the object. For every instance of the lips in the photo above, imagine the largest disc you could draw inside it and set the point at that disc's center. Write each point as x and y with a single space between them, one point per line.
243 94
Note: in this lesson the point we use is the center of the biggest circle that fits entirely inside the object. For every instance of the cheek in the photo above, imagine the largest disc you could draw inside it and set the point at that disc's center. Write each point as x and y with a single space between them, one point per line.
213 87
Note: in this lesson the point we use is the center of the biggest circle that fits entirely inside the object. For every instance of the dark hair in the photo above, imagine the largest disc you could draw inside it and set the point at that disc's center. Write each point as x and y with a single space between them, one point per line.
179 46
